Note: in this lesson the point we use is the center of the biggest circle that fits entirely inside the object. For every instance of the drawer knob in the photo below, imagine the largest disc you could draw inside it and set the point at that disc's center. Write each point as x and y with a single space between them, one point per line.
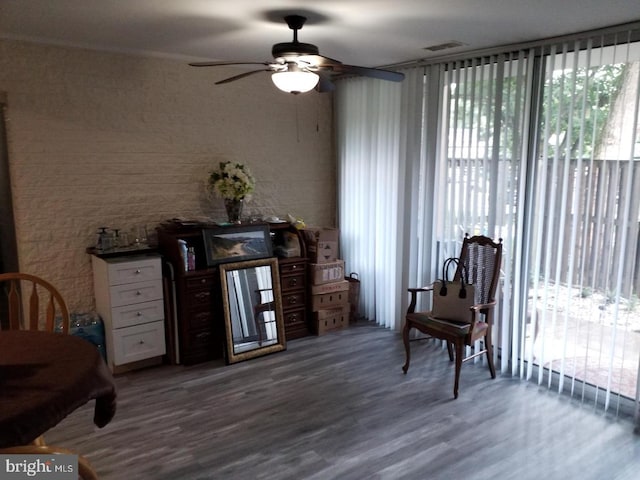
293 282
141 342
139 314
292 300
293 267
203 280
138 271
138 293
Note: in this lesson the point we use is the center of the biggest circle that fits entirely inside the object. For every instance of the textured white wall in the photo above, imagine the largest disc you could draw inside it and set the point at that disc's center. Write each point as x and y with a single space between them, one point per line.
98 139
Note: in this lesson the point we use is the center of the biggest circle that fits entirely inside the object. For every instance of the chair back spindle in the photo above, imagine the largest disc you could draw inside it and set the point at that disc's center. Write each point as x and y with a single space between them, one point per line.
41 300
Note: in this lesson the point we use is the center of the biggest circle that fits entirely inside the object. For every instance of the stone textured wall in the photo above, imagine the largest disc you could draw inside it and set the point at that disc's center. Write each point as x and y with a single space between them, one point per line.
100 139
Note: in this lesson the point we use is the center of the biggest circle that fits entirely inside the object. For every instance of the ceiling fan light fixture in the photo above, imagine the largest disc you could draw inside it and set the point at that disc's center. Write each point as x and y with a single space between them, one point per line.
294 65
295 81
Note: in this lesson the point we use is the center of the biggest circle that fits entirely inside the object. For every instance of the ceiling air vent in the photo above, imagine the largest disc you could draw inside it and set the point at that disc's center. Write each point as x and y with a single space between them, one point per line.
444 46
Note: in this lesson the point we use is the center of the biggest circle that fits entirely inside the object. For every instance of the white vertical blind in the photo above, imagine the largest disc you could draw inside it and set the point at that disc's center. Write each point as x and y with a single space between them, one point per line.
376 137
481 164
582 330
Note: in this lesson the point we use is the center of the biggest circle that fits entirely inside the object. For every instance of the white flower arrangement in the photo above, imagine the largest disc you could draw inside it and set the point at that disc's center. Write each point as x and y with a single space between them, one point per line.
232 181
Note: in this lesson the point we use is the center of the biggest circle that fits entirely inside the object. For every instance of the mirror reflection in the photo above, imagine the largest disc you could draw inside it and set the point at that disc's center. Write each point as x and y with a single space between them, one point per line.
252 308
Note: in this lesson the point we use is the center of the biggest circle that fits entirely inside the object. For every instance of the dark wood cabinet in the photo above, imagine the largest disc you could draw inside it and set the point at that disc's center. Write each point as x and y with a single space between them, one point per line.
293 285
201 324
293 280
197 326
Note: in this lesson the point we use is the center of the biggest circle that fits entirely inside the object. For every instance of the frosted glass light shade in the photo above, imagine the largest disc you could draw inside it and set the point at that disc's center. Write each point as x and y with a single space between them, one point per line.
295 82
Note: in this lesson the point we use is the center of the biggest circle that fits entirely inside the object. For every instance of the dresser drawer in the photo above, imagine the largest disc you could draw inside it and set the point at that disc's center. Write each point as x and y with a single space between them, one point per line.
136 343
291 282
200 339
136 314
295 317
132 271
200 319
289 268
198 298
293 300
135 293
199 282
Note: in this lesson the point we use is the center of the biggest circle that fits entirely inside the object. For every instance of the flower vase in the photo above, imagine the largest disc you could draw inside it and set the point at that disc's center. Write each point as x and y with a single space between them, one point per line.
234 209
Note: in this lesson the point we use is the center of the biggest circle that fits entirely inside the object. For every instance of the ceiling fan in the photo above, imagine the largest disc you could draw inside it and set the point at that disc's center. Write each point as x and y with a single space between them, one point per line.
298 67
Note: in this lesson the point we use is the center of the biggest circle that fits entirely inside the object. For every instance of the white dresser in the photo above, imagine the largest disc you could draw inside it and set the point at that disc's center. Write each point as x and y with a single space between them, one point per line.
129 300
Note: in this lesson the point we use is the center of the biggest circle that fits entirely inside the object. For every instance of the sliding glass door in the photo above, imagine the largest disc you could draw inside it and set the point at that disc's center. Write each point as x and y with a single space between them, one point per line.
583 315
539 147
482 165
543 152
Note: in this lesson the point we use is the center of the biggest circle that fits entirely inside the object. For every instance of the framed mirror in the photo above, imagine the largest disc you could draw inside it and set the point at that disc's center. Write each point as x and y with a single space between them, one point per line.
252 306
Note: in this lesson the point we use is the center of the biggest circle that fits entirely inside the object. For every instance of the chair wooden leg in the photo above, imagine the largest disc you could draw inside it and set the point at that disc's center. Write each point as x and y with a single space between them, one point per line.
459 351
39 441
85 470
489 351
450 350
407 348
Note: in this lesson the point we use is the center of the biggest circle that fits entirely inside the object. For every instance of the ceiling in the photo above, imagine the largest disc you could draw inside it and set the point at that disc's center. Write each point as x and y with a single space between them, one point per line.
369 33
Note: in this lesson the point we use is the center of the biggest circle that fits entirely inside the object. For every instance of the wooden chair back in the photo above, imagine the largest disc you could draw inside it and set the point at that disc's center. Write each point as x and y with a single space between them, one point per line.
32 303
480 263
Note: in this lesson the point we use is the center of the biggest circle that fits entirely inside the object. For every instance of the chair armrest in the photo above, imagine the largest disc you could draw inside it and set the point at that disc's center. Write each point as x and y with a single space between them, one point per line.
420 289
414 296
481 308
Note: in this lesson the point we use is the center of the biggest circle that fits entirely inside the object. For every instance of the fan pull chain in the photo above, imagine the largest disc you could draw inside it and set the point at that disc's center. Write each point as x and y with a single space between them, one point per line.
318 104
297 120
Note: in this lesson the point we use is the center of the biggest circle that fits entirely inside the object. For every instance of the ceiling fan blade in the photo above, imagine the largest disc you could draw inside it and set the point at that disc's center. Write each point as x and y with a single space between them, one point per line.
325 84
242 75
295 57
370 72
320 61
219 64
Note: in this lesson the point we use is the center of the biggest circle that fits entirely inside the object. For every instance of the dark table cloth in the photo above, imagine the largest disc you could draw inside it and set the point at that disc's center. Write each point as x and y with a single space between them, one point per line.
46 376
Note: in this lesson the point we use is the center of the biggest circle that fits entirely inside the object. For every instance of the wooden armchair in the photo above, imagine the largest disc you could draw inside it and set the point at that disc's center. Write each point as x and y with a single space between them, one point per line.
480 259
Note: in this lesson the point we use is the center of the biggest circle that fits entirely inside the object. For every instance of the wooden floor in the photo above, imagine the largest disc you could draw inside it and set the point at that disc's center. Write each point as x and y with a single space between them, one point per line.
339 407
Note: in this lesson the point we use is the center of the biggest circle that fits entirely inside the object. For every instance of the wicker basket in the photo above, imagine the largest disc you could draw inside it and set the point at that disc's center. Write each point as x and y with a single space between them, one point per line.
354 296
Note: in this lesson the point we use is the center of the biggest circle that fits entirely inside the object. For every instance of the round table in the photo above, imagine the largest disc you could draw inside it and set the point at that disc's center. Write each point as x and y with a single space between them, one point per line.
46 376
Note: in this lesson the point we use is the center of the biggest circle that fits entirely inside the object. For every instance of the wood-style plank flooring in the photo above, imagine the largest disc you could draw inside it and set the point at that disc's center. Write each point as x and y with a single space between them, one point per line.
339 407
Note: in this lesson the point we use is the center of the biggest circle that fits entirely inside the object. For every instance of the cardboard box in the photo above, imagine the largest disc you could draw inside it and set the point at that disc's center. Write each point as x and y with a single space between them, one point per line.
331 319
339 286
322 244
329 300
320 273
